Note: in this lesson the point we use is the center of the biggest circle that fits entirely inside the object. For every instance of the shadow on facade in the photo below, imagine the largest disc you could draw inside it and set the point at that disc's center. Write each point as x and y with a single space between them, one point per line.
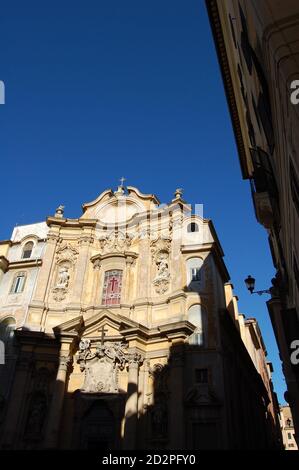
176 412
208 395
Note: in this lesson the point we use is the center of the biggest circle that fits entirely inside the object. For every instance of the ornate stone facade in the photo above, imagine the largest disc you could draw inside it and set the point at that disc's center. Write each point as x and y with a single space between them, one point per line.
134 355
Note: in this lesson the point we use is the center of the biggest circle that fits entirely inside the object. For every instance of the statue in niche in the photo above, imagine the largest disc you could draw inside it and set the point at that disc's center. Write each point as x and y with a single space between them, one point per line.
159 419
36 415
163 268
159 410
63 277
161 281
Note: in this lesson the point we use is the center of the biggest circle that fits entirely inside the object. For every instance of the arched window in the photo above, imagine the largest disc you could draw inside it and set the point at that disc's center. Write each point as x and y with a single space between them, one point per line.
197 316
194 272
27 250
18 283
193 227
112 287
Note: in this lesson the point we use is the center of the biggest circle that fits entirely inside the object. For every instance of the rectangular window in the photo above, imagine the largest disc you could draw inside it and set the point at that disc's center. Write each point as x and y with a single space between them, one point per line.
201 376
112 287
18 284
289 435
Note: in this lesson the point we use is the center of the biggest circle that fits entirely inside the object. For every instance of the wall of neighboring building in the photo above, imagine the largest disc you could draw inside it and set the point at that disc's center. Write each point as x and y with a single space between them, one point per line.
258 52
287 428
16 304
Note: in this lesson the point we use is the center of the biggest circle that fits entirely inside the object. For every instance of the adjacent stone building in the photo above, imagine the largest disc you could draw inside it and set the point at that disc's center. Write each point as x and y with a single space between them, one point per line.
258 51
287 428
122 331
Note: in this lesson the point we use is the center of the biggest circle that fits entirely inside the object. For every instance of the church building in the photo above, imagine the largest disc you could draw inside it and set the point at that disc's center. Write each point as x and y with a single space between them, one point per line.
121 331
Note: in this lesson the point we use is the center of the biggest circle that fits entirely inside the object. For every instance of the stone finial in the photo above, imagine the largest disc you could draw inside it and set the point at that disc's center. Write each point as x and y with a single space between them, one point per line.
178 193
59 212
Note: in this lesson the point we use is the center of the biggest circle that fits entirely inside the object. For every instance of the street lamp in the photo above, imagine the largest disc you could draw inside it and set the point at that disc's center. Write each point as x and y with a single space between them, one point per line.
250 283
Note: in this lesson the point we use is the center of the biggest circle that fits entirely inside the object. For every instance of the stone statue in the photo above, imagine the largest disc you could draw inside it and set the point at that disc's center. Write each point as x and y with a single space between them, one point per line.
161 281
163 268
63 277
36 416
159 419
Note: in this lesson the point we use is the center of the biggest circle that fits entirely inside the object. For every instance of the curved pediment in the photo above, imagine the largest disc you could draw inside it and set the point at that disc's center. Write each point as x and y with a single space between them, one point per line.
119 206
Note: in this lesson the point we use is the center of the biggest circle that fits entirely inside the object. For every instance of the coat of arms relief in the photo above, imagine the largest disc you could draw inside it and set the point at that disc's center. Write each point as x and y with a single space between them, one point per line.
101 365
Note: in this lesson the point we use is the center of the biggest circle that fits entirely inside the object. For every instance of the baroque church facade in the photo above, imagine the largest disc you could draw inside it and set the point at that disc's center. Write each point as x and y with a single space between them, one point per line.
121 331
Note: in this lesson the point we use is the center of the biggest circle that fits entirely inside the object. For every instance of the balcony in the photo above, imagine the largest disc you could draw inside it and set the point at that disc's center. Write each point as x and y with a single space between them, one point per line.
264 190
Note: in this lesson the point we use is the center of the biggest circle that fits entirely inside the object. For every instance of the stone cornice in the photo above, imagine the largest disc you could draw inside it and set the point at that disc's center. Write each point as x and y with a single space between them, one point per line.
27 336
115 254
25 263
217 31
6 242
4 264
79 223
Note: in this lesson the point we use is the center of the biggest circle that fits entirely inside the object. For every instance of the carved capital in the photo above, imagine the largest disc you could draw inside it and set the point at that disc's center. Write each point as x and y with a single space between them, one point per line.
97 264
52 238
135 359
65 363
85 240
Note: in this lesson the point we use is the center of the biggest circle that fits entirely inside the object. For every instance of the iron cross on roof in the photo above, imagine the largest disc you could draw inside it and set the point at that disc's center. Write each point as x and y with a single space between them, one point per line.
122 180
102 331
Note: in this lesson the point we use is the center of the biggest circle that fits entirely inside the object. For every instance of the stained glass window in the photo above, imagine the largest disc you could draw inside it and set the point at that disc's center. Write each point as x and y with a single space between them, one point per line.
112 287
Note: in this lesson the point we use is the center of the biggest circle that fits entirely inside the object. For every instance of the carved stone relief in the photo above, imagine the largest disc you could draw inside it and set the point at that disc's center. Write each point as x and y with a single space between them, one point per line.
101 366
115 241
201 394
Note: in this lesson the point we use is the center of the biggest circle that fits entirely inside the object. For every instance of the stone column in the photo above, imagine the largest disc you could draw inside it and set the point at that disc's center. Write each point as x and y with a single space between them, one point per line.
143 279
16 401
131 409
142 404
45 270
80 271
54 418
96 293
129 264
176 412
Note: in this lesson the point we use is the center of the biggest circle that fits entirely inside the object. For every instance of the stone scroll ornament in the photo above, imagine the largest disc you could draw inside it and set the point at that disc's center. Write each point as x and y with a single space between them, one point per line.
101 366
115 241
65 259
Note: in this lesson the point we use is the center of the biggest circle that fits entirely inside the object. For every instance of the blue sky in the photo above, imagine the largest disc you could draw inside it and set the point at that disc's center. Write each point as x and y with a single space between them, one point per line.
104 88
